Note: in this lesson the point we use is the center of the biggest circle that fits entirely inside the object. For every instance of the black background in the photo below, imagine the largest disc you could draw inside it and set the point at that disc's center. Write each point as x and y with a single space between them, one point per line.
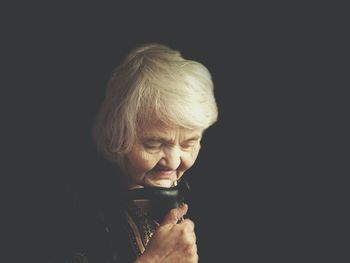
260 186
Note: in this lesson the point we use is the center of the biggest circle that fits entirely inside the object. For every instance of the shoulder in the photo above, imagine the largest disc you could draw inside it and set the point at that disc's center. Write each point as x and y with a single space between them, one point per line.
92 231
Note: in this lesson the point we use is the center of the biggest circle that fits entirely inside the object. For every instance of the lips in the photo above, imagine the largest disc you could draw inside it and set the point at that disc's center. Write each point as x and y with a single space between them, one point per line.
160 177
162 171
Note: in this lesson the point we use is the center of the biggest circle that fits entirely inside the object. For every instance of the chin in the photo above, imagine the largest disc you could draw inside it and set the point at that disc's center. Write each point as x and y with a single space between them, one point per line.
159 183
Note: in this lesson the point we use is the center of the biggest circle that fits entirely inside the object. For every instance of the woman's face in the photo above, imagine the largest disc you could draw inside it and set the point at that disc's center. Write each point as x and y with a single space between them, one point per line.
161 155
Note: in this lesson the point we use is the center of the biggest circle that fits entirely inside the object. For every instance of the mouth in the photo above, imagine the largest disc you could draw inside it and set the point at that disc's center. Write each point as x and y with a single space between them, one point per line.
162 172
161 176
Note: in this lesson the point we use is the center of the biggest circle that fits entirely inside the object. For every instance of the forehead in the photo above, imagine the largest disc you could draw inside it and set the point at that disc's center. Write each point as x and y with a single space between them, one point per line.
158 131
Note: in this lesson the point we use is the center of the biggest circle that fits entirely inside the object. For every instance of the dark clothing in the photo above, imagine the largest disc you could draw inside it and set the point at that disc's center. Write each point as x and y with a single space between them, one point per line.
118 237
103 230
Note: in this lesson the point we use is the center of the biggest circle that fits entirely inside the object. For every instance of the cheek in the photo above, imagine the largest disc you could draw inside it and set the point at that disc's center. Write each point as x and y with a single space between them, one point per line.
142 161
190 157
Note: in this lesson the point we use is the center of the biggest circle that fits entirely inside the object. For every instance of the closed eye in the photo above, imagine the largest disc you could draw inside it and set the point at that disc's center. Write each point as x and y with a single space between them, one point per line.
189 144
153 145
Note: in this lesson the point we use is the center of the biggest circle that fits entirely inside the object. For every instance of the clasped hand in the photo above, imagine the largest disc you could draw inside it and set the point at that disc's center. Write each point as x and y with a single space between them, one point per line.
172 241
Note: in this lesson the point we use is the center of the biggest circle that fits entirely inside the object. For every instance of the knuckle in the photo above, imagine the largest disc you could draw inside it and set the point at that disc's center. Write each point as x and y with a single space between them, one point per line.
189 239
173 214
183 231
191 251
188 224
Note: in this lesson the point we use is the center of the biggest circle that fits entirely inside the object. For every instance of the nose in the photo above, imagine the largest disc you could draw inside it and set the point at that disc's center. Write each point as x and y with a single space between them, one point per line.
171 158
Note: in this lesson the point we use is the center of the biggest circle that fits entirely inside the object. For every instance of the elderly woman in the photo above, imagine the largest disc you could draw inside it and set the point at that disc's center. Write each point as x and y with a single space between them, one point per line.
156 108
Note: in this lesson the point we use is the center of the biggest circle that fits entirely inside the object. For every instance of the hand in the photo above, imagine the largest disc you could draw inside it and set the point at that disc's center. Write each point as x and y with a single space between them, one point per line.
172 241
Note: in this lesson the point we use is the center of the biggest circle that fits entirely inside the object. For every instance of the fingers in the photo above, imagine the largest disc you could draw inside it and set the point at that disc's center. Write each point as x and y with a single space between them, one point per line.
173 241
187 225
175 215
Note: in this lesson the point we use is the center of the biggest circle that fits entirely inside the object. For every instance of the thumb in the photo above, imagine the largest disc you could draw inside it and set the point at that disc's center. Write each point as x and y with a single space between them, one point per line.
175 215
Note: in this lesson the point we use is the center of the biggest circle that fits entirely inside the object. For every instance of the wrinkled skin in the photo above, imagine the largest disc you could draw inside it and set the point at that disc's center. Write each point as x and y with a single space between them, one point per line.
172 241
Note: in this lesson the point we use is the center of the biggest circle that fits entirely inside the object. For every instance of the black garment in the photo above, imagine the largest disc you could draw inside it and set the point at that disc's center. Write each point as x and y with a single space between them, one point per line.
118 237
103 229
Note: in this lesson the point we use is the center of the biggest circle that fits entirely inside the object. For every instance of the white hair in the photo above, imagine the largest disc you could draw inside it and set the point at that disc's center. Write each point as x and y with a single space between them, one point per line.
153 85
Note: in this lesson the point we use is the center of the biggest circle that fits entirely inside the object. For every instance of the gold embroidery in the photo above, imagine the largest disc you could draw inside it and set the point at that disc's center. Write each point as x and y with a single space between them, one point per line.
136 233
141 228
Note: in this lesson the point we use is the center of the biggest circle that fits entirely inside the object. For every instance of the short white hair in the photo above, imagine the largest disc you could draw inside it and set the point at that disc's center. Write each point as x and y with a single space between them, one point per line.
153 85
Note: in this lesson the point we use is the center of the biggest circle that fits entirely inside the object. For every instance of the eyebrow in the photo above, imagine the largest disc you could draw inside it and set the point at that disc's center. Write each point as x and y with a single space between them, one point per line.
194 138
163 140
